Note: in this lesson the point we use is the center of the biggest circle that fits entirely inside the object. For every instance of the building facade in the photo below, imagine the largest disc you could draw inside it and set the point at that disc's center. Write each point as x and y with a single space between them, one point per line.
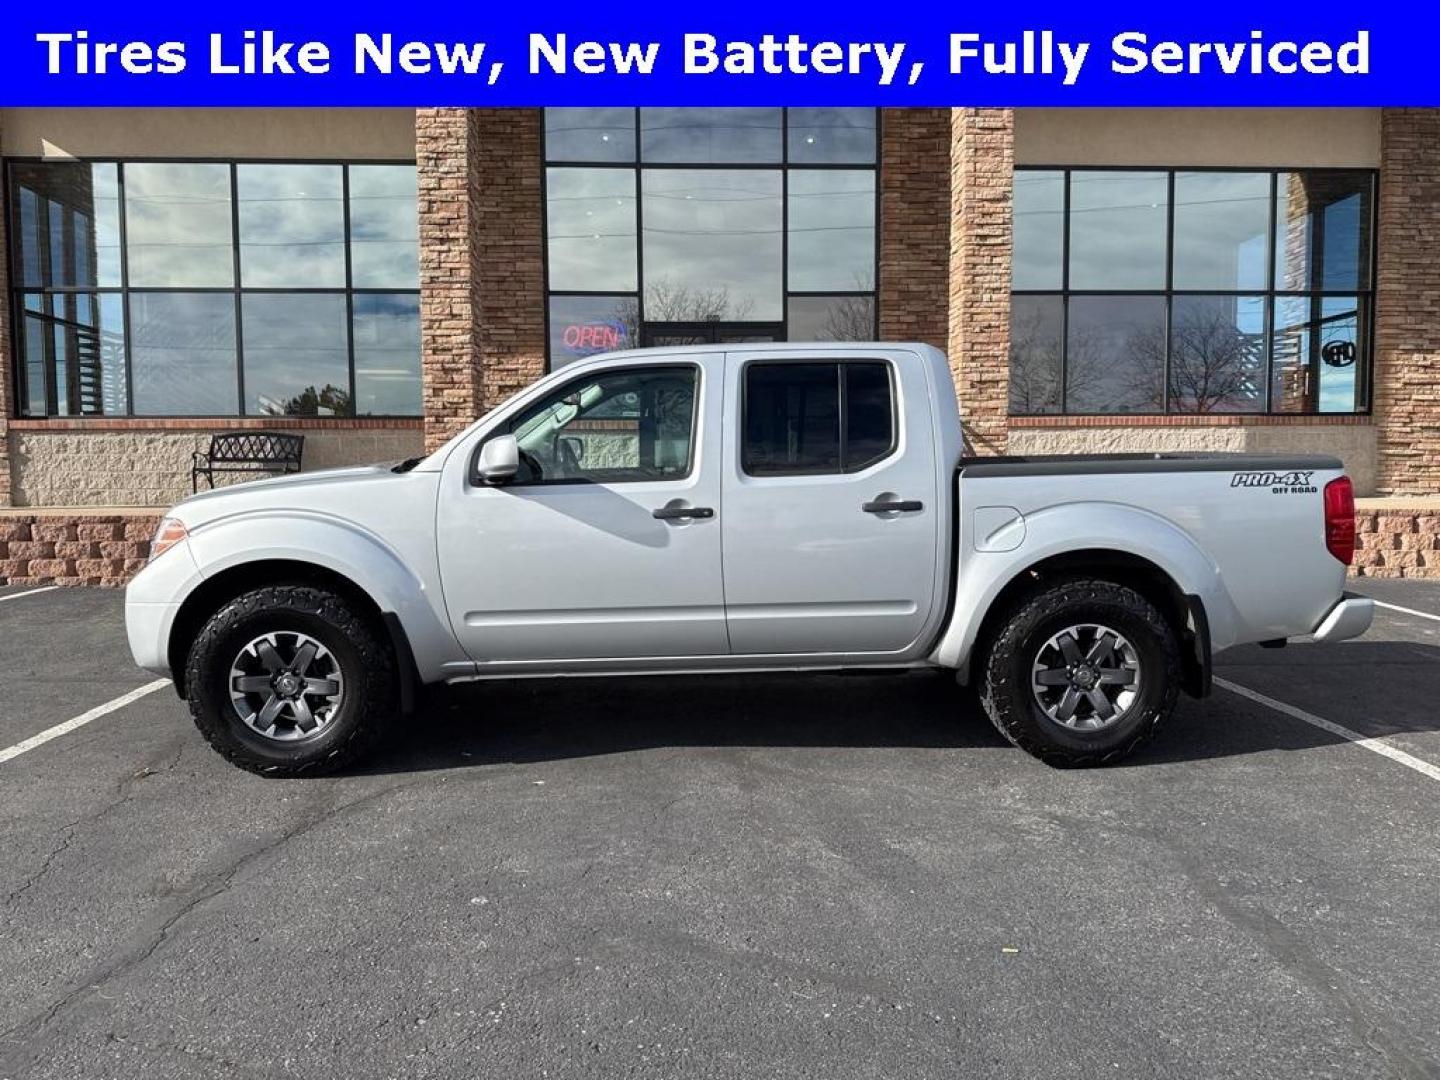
1103 280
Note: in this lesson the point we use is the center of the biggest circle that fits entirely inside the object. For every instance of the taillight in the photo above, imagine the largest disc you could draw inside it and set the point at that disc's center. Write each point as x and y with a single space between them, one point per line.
1340 519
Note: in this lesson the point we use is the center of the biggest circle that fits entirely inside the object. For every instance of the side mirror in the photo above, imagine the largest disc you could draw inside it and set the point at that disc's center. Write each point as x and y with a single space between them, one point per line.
499 460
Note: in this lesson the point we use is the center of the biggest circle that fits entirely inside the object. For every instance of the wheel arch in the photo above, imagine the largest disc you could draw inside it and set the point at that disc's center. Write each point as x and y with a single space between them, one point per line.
219 588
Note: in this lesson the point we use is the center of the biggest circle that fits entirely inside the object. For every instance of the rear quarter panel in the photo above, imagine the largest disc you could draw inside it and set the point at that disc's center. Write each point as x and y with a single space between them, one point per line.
1254 553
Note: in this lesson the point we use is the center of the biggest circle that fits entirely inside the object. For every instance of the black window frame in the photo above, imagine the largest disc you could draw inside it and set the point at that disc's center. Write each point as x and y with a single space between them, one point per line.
507 427
842 414
1268 293
637 165
125 290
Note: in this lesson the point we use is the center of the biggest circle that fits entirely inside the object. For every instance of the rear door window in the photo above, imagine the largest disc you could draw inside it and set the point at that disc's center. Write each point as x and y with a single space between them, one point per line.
815 417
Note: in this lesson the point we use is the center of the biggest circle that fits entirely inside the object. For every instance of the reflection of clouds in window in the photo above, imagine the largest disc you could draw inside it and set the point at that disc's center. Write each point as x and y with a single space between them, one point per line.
177 225
831 136
1222 227
387 354
384 227
709 231
832 228
296 360
292 226
695 136
1039 230
1117 229
182 353
590 134
590 228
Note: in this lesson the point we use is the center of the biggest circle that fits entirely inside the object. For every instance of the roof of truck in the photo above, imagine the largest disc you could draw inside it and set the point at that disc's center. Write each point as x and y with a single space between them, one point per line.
766 347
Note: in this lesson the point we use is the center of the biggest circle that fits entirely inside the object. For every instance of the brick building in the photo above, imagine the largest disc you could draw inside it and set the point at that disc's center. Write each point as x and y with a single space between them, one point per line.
375 279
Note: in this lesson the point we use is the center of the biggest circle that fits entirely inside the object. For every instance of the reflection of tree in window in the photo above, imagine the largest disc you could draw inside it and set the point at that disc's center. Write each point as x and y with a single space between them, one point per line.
330 401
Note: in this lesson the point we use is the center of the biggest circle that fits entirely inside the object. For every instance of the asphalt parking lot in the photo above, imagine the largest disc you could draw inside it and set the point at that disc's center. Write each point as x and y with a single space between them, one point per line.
735 877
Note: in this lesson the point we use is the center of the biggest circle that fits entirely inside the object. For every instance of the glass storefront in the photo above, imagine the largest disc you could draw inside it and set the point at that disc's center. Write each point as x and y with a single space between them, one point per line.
1191 291
211 288
686 226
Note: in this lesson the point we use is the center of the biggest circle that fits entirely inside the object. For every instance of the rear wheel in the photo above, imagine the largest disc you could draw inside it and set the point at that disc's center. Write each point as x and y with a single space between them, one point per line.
291 679
1081 672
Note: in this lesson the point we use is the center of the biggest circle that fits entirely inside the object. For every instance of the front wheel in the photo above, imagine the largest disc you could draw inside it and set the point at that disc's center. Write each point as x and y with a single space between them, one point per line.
291 679
1081 672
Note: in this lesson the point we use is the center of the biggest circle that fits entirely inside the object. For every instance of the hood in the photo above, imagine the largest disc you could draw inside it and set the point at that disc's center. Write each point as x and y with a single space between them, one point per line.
278 487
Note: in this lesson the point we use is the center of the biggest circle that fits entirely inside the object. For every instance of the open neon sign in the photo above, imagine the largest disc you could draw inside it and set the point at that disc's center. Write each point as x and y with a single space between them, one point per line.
603 335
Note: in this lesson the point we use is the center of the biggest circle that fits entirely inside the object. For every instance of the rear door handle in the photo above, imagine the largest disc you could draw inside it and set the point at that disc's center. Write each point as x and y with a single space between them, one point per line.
671 513
881 506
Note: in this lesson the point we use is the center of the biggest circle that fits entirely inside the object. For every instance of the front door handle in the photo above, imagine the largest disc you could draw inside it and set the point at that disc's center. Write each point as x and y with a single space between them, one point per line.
890 506
672 513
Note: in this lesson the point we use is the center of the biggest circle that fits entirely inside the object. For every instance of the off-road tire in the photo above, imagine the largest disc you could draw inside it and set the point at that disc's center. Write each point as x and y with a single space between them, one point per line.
1004 677
359 646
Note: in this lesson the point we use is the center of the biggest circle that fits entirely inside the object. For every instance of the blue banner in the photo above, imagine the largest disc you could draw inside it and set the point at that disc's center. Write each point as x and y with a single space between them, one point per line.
749 53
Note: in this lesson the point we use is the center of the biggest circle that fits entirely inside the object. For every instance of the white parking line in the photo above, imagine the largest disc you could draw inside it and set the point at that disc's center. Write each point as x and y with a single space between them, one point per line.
27 592
1384 749
80 721
1406 610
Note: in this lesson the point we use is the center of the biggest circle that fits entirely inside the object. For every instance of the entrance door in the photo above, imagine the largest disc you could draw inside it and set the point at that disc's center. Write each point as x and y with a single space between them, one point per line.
669 335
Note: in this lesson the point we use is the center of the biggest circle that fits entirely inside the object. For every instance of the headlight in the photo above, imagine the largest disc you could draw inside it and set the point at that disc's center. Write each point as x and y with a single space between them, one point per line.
170 532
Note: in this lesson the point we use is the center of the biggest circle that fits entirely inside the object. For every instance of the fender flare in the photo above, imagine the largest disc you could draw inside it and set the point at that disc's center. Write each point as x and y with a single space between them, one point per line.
343 548
1073 527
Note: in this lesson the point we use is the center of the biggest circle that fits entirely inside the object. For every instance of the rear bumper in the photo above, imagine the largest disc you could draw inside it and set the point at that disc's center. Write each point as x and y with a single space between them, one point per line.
1349 618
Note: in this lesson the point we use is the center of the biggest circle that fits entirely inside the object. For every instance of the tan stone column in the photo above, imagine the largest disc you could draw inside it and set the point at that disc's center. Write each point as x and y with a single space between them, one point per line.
914 287
7 359
482 303
1407 304
982 172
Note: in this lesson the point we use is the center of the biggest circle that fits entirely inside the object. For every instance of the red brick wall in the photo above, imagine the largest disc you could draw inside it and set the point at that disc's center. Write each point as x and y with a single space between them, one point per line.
73 549
982 171
1407 324
914 287
482 315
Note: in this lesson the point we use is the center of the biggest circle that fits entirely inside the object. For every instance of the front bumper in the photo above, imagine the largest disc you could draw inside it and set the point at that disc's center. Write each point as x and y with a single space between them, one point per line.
1349 618
152 599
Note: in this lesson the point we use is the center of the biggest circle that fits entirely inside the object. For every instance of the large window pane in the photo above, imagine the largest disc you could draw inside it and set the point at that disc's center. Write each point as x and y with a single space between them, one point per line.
1036 338
1115 357
710 136
177 225
1117 229
832 230
384 227
387 354
1322 231
1319 353
79 339
1222 230
832 318
65 224
712 245
590 229
292 226
296 355
183 353
590 134
1217 354
827 136
582 326
1039 260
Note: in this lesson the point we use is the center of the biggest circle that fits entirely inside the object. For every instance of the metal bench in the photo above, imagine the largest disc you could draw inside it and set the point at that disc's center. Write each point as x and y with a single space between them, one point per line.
247 451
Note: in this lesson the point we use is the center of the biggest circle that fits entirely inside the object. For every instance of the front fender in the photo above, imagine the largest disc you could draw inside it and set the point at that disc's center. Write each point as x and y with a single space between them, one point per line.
345 548
1073 527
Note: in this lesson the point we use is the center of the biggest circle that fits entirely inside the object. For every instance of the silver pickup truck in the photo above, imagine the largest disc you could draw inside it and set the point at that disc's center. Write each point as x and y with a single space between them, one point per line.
739 508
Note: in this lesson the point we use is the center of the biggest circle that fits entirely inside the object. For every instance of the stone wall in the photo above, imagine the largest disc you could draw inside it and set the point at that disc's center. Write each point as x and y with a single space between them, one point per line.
981 180
1407 303
914 287
151 468
1398 538
482 275
1352 443
74 549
